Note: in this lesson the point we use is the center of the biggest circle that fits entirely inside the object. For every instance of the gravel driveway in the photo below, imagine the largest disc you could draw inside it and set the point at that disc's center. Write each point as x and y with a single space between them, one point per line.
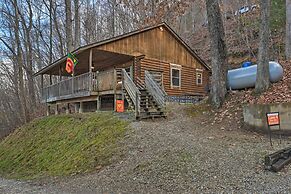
177 155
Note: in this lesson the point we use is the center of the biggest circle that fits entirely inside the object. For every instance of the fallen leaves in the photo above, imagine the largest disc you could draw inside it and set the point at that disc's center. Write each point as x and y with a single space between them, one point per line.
279 92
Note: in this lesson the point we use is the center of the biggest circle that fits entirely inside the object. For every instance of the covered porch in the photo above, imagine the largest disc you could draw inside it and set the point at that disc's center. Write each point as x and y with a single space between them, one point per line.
98 73
102 80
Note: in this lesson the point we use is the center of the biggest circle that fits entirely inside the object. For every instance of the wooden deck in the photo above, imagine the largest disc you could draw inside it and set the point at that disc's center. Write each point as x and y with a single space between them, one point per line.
84 85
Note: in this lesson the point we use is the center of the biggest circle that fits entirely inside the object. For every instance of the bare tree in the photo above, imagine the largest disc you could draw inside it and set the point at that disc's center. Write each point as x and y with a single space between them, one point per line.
218 53
69 37
19 62
27 23
263 76
77 25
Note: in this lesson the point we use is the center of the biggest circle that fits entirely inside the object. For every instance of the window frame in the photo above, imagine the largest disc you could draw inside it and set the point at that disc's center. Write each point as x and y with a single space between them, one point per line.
199 71
179 68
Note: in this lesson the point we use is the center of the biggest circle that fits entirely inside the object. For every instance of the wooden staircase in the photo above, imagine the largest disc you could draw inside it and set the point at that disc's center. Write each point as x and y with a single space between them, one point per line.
149 107
143 98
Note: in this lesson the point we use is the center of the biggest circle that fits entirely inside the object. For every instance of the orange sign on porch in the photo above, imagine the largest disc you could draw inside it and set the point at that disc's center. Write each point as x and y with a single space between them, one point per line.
273 118
119 106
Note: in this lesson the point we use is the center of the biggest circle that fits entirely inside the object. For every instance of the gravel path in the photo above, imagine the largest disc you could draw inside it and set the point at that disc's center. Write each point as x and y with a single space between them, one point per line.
177 155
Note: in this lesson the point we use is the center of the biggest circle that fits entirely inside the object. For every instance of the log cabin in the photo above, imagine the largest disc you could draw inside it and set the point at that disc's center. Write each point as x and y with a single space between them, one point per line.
140 70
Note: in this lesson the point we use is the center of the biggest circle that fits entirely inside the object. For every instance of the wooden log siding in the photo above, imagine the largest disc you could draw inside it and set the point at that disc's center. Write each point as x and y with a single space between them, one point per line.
105 80
156 44
188 77
155 90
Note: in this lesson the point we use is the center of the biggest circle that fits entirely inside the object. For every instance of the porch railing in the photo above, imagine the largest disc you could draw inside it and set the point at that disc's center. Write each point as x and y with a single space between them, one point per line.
155 90
79 86
132 91
72 87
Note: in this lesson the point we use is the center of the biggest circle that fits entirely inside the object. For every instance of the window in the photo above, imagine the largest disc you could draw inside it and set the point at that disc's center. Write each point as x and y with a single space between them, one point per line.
199 78
175 75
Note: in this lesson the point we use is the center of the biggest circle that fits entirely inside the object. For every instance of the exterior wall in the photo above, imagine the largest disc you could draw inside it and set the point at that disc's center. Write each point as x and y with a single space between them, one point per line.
255 117
188 77
160 48
154 44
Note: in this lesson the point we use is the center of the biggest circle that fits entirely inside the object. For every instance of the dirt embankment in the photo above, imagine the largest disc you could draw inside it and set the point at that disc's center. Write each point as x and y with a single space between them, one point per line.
185 153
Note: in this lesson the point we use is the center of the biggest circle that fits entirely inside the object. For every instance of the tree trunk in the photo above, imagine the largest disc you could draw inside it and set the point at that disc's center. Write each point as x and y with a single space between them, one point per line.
51 32
113 5
29 67
263 75
19 62
288 30
77 25
218 53
56 25
69 38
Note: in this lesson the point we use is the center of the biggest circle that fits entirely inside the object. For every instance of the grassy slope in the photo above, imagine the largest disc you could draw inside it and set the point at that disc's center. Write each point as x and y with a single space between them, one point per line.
61 145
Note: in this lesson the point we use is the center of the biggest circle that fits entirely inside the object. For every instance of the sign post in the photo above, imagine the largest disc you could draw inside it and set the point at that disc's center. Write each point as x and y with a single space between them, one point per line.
273 119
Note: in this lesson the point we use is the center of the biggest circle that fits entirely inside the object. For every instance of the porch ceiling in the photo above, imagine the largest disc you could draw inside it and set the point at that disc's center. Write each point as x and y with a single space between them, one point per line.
100 60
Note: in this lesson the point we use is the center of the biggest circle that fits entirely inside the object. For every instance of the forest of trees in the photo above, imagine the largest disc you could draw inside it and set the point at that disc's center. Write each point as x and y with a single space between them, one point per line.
34 33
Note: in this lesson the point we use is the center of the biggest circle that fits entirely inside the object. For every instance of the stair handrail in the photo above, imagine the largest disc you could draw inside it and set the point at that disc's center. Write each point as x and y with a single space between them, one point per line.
131 89
155 90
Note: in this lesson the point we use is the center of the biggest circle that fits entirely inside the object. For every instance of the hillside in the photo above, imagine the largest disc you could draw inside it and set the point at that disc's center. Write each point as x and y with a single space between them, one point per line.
242 36
62 145
185 153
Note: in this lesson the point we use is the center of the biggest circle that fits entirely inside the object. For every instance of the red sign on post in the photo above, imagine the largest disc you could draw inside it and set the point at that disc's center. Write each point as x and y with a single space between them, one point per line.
273 118
119 106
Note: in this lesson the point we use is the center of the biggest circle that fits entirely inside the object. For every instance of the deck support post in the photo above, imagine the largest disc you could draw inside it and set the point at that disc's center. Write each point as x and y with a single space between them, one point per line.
68 108
56 109
81 109
136 106
48 111
114 87
98 103
76 107
122 87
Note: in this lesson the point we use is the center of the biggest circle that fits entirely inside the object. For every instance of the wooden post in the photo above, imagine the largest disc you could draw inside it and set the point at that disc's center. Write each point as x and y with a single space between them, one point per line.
68 108
131 71
136 106
41 81
114 87
76 107
60 74
98 103
81 109
90 69
41 86
51 81
48 110
97 82
122 86
57 109
73 84
60 79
